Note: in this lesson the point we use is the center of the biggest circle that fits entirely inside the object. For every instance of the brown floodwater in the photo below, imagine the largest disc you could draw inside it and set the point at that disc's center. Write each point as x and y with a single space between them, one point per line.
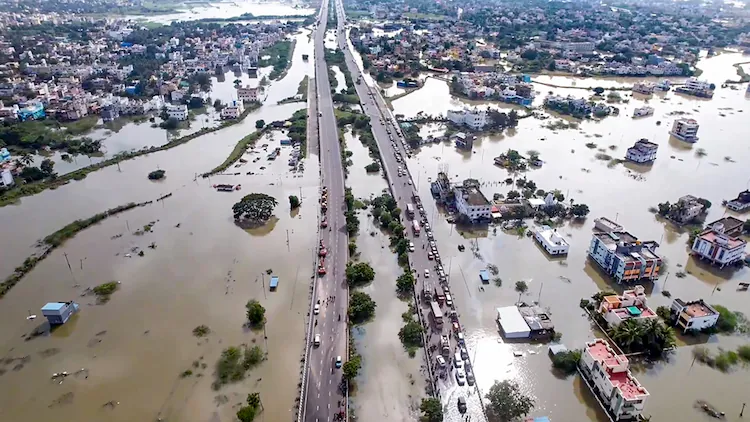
135 347
390 384
622 192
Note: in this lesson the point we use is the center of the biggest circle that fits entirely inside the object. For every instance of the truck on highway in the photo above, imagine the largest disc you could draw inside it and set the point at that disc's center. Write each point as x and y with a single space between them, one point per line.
410 210
436 314
427 291
415 228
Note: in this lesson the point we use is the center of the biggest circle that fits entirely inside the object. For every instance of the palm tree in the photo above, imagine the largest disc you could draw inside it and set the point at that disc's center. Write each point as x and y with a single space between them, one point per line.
253 400
26 159
629 334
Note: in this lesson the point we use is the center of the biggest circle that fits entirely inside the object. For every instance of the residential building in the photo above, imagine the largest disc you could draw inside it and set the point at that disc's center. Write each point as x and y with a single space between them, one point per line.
604 224
463 141
741 202
644 88
687 209
714 245
110 112
624 257
247 94
685 130
31 111
631 304
696 315
552 242
474 119
178 112
643 111
471 203
732 226
233 110
642 151
607 375
699 88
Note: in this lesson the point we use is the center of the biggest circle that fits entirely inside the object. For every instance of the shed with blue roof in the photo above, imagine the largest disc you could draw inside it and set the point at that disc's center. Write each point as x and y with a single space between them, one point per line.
58 313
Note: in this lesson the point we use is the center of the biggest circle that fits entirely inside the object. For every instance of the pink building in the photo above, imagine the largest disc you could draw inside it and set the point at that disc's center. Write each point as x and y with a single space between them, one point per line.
607 375
631 304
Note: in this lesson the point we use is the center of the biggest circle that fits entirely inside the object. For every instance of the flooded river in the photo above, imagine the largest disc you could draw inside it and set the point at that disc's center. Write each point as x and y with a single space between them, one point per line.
202 271
623 192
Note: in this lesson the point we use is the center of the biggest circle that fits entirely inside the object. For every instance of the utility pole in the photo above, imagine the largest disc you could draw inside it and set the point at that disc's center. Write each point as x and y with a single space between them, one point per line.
263 275
65 254
287 241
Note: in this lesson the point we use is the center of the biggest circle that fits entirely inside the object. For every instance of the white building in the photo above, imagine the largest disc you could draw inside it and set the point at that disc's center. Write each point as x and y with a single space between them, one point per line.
606 373
552 242
630 305
685 130
741 203
696 315
642 151
247 94
6 178
695 84
233 110
471 203
718 248
178 112
474 119
643 111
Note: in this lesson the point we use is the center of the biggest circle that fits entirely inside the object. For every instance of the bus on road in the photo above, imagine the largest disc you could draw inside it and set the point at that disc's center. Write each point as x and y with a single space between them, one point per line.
410 210
437 314
415 227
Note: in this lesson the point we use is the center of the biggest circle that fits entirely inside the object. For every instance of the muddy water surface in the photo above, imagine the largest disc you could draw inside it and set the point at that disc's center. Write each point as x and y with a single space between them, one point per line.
619 191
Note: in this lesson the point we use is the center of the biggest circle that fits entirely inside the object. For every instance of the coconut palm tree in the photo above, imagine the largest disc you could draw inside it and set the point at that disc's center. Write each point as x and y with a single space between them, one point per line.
26 159
628 334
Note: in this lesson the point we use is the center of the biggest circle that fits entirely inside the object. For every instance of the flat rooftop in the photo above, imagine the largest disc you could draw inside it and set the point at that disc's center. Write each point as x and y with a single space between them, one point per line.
627 385
644 143
551 237
612 238
713 237
474 196
698 309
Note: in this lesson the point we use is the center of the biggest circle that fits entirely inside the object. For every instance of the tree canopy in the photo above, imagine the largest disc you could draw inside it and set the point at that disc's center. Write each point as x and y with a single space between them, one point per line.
432 410
256 313
255 207
359 273
361 307
506 402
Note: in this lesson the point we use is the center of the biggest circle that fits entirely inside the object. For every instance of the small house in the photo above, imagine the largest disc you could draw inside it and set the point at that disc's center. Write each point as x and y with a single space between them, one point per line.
58 313
274 282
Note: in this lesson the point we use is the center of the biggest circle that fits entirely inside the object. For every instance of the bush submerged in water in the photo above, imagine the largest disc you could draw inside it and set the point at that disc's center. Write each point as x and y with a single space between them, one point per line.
157 175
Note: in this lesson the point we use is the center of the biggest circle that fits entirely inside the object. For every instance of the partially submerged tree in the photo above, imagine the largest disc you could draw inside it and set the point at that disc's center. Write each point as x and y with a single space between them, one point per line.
255 208
506 402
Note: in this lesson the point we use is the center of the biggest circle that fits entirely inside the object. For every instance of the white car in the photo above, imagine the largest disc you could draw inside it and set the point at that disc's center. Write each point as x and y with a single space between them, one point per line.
338 361
460 377
316 309
411 247
316 341
440 361
457 361
426 273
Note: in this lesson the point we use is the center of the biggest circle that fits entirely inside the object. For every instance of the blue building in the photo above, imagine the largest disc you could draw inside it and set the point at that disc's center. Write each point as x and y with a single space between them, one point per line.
58 313
32 111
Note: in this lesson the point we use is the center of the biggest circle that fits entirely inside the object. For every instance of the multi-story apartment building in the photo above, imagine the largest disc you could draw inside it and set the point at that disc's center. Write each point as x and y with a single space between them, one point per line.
473 119
696 315
685 130
606 373
624 257
643 151
717 247
471 203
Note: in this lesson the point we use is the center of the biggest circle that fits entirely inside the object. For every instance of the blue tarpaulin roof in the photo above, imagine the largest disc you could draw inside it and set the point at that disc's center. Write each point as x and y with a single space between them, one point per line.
53 306
274 281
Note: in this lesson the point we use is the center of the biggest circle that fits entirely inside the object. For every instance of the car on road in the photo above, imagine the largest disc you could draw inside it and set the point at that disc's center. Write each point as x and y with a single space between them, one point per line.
462 404
440 361
470 378
316 309
430 256
449 300
460 377
464 353
316 340
409 182
457 361
411 247
426 273
338 361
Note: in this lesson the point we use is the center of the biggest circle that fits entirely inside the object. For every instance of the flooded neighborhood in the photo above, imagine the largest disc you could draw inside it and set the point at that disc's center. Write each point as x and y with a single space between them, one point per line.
569 196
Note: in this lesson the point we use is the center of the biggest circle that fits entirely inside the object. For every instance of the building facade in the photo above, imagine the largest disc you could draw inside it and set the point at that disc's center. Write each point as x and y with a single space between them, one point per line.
472 204
608 376
717 247
552 242
631 304
474 119
642 151
247 94
233 110
696 315
625 258
177 112
741 202
685 130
